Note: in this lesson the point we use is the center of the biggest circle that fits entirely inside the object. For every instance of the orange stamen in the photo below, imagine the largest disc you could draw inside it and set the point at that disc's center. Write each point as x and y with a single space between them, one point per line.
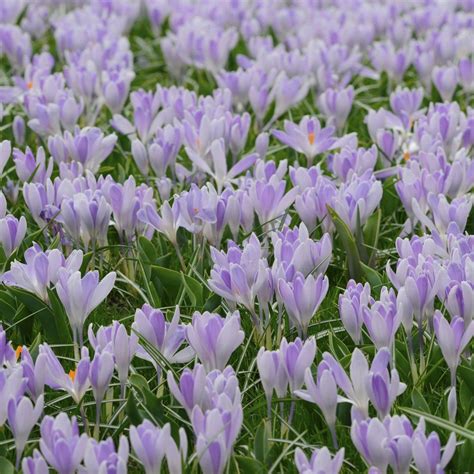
18 351
72 375
29 85
406 156
311 138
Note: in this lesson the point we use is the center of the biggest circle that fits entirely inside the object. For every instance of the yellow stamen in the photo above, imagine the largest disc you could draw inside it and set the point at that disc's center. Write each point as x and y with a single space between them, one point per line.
29 85
72 375
406 155
18 351
311 138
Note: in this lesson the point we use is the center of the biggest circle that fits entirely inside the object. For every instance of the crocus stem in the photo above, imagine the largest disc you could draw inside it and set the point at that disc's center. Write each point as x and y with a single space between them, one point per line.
411 357
269 410
76 346
292 412
180 256
84 419
332 429
97 420
420 344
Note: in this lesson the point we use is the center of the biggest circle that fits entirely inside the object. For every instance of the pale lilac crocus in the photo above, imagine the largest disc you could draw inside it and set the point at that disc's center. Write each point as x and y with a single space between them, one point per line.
321 461
323 393
61 444
102 456
152 445
445 79
351 304
214 338
336 105
12 385
307 137
302 298
22 417
80 296
35 464
12 233
32 168
167 337
297 357
273 376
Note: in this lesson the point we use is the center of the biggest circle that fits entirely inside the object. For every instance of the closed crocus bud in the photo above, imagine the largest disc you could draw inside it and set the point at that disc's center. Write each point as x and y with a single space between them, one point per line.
323 393
100 374
164 186
272 374
452 404
190 391
460 300
214 338
321 461
152 444
351 304
5 151
297 357
34 464
140 155
12 233
12 386
19 130
466 74
61 444
261 144
336 105
445 79
22 417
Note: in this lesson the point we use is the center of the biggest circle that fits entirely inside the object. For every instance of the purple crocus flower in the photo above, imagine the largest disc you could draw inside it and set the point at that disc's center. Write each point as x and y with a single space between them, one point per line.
287 92
5 152
351 161
214 338
12 386
406 103
445 79
383 386
273 376
33 372
167 222
382 319
216 431
323 393
357 199
321 461
459 300
452 338
19 130
427 450
302 298
296 357
7 353
34 464
22 417
351 304
152 444
41 270
30 167
371 437
102 456
61 444
445 212
336 105
167 337
307 137
12 233
466 74
80 296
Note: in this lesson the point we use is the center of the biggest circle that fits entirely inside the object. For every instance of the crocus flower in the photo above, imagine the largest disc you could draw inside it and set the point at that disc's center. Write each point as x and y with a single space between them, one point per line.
321 461
7 353
41 270
31 168
445 79
34 372
214 338
427 450
22 417
302 298
307 137
323 393
351 161
19 130
12 386
452 338
102 456
12 233
100 375
216 431
336 105
351 304
152 444
34 464
466 74
167 337
297 357
5 152
61 444
80 296
166 222
273 375
459 299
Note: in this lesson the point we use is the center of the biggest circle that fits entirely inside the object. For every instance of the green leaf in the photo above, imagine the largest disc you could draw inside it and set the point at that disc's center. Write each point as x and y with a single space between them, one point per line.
147 250
131 409
6 467
248 464
172 282
418 401
261 444
372 276
349 244
371 235
440 422
138 381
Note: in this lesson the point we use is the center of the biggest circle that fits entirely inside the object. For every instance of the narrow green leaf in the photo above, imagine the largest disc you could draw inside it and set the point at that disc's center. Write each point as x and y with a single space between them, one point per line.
261 444
6 467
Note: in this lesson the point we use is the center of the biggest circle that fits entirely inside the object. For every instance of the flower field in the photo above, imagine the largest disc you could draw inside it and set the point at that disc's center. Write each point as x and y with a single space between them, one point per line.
236 236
